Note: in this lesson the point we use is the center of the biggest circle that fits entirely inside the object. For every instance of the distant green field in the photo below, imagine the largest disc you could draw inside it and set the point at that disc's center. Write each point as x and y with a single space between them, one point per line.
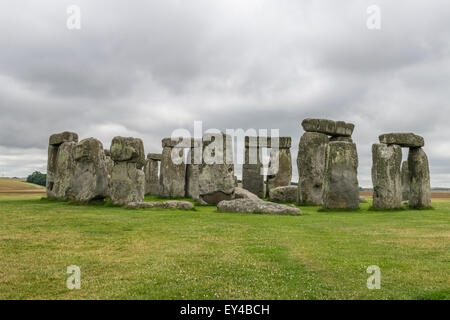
204 254
8 185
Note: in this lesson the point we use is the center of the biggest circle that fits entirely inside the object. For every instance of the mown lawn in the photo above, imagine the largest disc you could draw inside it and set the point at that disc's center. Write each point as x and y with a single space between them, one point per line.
204 254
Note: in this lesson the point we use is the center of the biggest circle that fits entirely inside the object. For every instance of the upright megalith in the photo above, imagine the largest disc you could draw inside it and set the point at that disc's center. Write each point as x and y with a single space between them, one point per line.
172 178
386 176
405 181
280 165
340 184
252 169
91 173
61 165
127 179
216 173
311 167
419 179
193 169
151 170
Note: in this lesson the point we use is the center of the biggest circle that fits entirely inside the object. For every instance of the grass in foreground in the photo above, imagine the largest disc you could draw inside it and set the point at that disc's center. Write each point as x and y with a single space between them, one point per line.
204 254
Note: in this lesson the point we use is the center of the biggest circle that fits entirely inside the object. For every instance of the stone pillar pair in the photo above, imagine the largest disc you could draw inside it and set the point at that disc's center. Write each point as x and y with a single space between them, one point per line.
279 169
327 166
151 170
394 182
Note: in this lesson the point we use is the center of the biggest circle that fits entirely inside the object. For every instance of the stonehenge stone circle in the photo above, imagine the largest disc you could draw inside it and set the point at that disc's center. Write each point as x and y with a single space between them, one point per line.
419 179
282 176
386 176
60 165
328 127
283 194
91 173
216 179
311 167
406 140
127 178
172 179
340 188
252 175
405 181
151 174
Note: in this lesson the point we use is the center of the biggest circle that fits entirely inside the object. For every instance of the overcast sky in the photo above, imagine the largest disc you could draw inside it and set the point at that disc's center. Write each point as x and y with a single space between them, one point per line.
145 68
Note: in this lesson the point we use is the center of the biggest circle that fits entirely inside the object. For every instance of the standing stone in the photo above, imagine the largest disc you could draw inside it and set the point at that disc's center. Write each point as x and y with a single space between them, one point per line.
311 167
127 178
172 179
60 165
193 169
419 179
151 174
252 169
216 174
405 181
91 176
282 176
340 187
386 177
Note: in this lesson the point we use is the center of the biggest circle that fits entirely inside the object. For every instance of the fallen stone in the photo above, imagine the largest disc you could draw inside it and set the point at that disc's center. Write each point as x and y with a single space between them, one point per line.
419 179
241 193
283 194
362 200
328 127
340 188
386 177
171 204
311 167
406 140
251 206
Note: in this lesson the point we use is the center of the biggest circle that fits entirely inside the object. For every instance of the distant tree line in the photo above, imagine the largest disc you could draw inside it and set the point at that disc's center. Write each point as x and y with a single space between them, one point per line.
37 178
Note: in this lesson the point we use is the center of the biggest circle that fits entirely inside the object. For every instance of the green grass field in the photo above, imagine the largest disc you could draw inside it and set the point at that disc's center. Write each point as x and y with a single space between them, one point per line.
204 254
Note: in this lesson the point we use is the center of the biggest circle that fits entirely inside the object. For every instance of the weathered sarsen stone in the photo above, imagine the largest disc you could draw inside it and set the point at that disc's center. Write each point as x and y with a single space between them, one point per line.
60 165
405 181
328 127
407 140
386 177
193 169
419 179
252 174
311 166
91 177
216 174
151 174
172 179
283 194
127 178
280 166
340 187
251 206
